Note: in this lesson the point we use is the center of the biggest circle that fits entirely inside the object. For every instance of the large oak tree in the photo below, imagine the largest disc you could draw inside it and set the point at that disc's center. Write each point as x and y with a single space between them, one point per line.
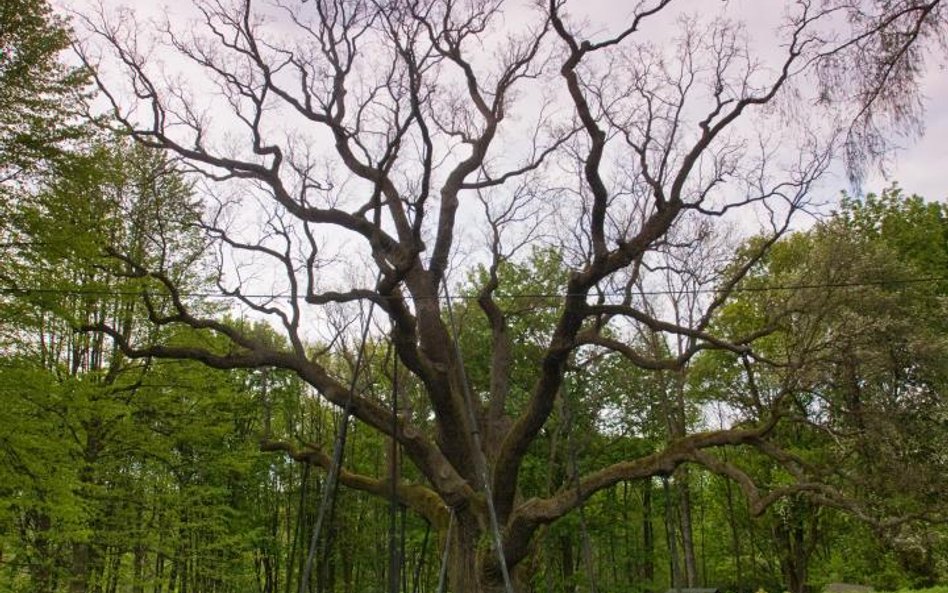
370 151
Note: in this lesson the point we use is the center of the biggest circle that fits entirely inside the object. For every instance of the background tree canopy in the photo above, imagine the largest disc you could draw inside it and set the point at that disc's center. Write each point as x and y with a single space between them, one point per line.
347 293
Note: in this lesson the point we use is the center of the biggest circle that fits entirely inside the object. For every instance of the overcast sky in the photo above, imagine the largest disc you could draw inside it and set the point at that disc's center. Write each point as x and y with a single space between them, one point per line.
920 167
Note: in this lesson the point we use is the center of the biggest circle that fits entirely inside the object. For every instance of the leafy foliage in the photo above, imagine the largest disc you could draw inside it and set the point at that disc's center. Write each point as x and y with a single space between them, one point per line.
39 95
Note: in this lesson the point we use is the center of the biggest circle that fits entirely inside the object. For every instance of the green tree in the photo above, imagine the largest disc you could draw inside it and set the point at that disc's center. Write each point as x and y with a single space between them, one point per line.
40 96
863 343
81 467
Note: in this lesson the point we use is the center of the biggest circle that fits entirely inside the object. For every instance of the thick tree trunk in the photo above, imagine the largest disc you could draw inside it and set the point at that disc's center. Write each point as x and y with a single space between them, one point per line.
472 563
463 571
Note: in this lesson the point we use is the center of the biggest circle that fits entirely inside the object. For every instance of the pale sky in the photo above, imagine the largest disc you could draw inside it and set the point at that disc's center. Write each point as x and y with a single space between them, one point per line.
920 167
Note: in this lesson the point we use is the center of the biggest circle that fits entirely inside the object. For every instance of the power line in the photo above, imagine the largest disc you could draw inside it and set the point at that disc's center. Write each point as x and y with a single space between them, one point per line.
103 292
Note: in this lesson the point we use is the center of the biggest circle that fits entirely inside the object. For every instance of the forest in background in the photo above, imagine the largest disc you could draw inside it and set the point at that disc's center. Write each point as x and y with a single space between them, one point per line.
152 473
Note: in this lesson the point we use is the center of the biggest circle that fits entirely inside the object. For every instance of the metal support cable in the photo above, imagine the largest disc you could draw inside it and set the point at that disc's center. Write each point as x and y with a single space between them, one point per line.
443 574
393 548
420 563
479 458
332 479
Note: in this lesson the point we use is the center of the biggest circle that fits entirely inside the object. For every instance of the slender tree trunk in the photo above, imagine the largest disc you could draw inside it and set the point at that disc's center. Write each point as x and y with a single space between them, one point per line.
115 568
567 560
299 526
790 532
755 568
682 485
735 535
269 572
159 572
271 560
648 537
173 576
83 563
671 537
679 427
394 554
184 575
138 568
41 569
79 571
